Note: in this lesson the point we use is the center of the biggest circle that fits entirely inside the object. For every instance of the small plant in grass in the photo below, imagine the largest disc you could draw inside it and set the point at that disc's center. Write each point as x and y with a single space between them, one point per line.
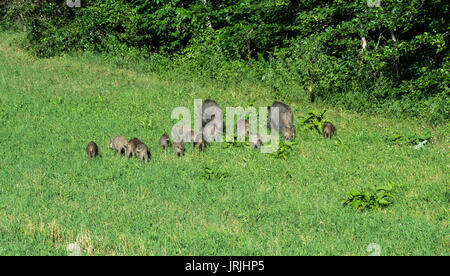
284 150
314 121
411 139
146 123
234 144
374 199
338 142
210 174
58 100
3 113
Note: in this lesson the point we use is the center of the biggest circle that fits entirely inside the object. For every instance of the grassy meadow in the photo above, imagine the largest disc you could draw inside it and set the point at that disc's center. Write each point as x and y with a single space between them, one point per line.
51 195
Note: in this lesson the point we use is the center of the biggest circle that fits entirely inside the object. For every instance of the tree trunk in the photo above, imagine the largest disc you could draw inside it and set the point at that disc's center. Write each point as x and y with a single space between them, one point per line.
249 49
363 43
393 36
208 21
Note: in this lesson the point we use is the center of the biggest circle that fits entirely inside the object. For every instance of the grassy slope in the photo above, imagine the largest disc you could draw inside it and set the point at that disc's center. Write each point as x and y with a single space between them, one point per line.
51 195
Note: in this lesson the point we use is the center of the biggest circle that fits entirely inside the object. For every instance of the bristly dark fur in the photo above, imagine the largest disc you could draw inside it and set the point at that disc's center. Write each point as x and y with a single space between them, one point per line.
212 120
118 144
143 152
130 147
136 147
328 130
255 141
200 142
164 141
178 148
92 149
286 120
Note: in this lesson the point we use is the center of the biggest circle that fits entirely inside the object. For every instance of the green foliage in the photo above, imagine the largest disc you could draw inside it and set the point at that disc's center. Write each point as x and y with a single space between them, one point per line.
314 121
146 124
234 143
52 196
284 150
210 174
298 49
411 138
378 198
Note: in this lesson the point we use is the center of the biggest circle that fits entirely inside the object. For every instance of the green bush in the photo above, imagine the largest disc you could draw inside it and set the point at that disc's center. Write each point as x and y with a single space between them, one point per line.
314 121
375 199
298 49
284 150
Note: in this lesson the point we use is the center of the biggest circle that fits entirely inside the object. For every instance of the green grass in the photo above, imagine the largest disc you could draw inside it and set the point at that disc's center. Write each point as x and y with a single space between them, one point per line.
52 195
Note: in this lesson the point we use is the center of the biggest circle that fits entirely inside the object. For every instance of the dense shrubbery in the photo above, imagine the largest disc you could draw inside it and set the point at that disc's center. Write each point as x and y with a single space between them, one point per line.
392 58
